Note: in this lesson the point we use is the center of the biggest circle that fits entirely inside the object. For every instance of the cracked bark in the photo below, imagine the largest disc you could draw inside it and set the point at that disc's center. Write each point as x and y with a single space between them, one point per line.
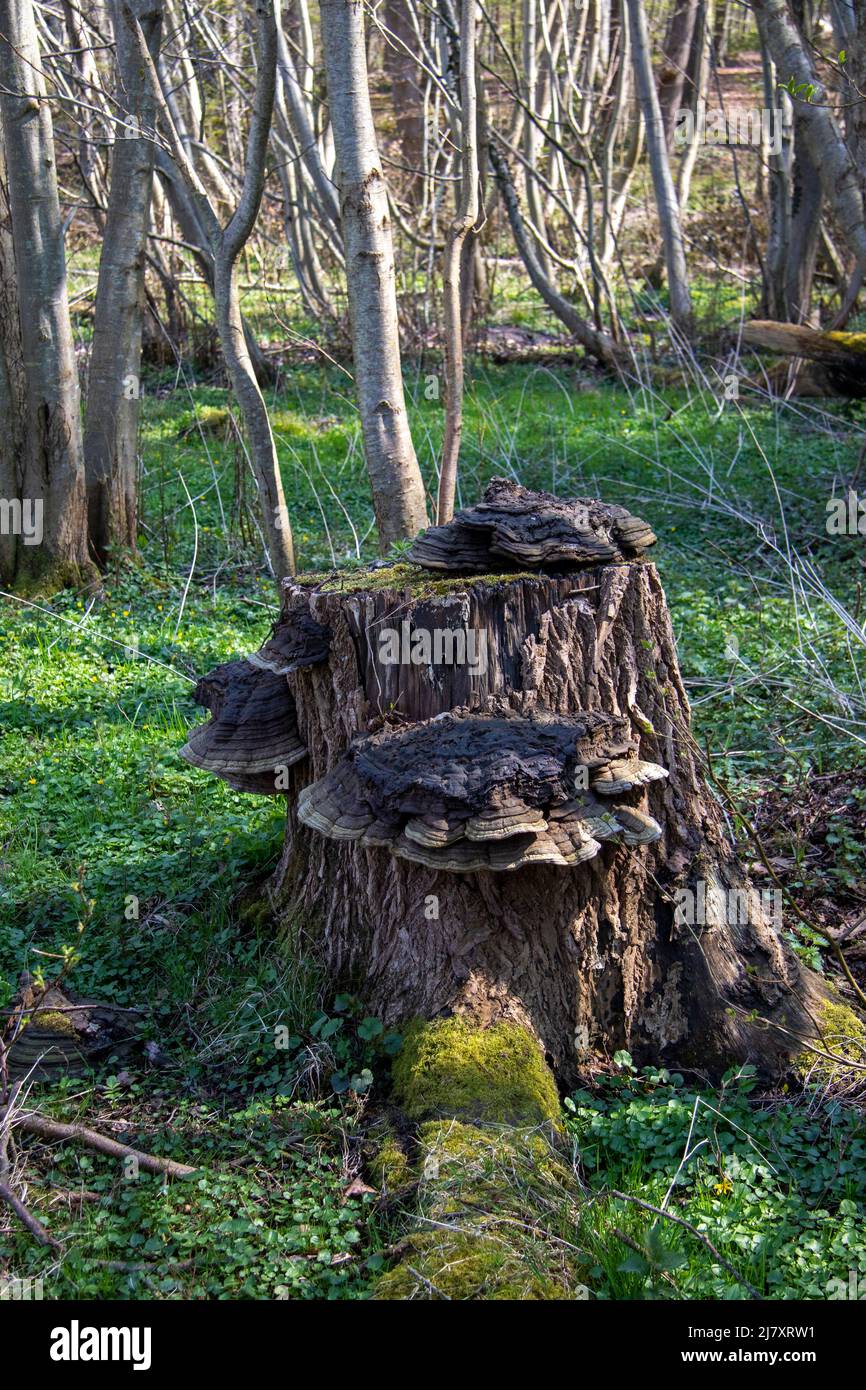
589 958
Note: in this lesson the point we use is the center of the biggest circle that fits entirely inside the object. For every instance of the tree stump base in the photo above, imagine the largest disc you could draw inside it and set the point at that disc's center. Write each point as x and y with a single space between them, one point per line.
591 958
495 808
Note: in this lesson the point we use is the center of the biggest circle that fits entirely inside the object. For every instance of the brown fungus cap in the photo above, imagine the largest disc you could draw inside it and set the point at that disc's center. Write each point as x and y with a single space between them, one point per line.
296 640
476 790
531 530
252 733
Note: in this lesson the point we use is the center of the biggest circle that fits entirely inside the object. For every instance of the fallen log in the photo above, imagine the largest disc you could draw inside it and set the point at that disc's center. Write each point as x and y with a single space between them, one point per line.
837 359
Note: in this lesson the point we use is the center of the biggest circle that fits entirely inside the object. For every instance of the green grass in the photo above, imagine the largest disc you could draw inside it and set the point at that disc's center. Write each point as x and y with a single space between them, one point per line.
92 793
777 1189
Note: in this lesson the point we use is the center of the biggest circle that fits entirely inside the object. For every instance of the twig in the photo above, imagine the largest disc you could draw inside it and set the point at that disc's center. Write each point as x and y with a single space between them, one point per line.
26 1217
692 1230
54 1129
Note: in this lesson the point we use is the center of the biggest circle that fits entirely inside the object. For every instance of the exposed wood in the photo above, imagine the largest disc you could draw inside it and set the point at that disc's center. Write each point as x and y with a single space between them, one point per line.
840 357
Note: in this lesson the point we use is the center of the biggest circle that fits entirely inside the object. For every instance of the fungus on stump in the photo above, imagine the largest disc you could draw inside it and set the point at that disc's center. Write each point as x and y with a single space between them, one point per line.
500 797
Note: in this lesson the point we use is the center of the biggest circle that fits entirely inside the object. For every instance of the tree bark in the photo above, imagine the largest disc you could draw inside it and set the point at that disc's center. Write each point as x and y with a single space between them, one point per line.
461 227
13 395
395 478
827 147
675 58
53 473
407 97
663 184
113 397
592 958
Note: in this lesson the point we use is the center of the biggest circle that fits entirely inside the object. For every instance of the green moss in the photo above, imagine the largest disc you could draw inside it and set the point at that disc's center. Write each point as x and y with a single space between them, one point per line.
462 1267
487 1196
418 582
52 1021
854 342
449 1067
211 420
843 1033
390 1167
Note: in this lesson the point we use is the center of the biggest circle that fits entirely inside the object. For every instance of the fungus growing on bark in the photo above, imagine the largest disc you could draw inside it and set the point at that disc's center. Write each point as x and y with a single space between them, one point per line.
292 645
475 790
252 735
532 529
505 839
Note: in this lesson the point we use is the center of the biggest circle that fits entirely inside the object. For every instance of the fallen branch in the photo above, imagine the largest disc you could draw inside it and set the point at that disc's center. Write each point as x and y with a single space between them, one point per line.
692 1230
54 1129
26 1217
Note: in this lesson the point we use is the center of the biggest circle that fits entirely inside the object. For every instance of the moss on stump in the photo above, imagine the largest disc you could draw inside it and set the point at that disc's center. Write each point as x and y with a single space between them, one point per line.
842 1033
497 1074
496 1208
496 1201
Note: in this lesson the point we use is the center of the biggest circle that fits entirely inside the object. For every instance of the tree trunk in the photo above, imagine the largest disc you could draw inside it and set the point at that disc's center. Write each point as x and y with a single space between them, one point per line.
675 58
395 478
829 152
13 397
807 197
857 113
407 97
591 958
52 481
839 358
663 184
453 271
113 397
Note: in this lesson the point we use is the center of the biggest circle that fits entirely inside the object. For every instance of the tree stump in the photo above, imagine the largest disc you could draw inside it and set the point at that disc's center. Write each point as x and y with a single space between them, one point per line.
500 813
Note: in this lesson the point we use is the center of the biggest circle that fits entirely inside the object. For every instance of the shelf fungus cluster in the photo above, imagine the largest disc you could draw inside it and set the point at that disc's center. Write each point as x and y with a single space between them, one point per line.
475 790
513 527
252 738
253 731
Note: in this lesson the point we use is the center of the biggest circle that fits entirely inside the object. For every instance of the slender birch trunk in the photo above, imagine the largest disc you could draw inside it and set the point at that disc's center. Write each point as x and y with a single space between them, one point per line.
225 245
395 478
663 184
467 216
13 396
52 478
113 397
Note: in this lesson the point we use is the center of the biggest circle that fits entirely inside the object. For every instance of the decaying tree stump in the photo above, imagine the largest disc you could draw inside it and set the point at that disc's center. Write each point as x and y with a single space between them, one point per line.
500 798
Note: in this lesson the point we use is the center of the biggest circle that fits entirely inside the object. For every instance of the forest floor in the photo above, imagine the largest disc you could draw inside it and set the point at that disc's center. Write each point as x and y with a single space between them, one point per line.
97 807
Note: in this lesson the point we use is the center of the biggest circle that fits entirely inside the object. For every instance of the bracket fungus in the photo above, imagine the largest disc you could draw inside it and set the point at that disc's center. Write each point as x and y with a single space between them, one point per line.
504 840
293 645
477 790
532 529
252 733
